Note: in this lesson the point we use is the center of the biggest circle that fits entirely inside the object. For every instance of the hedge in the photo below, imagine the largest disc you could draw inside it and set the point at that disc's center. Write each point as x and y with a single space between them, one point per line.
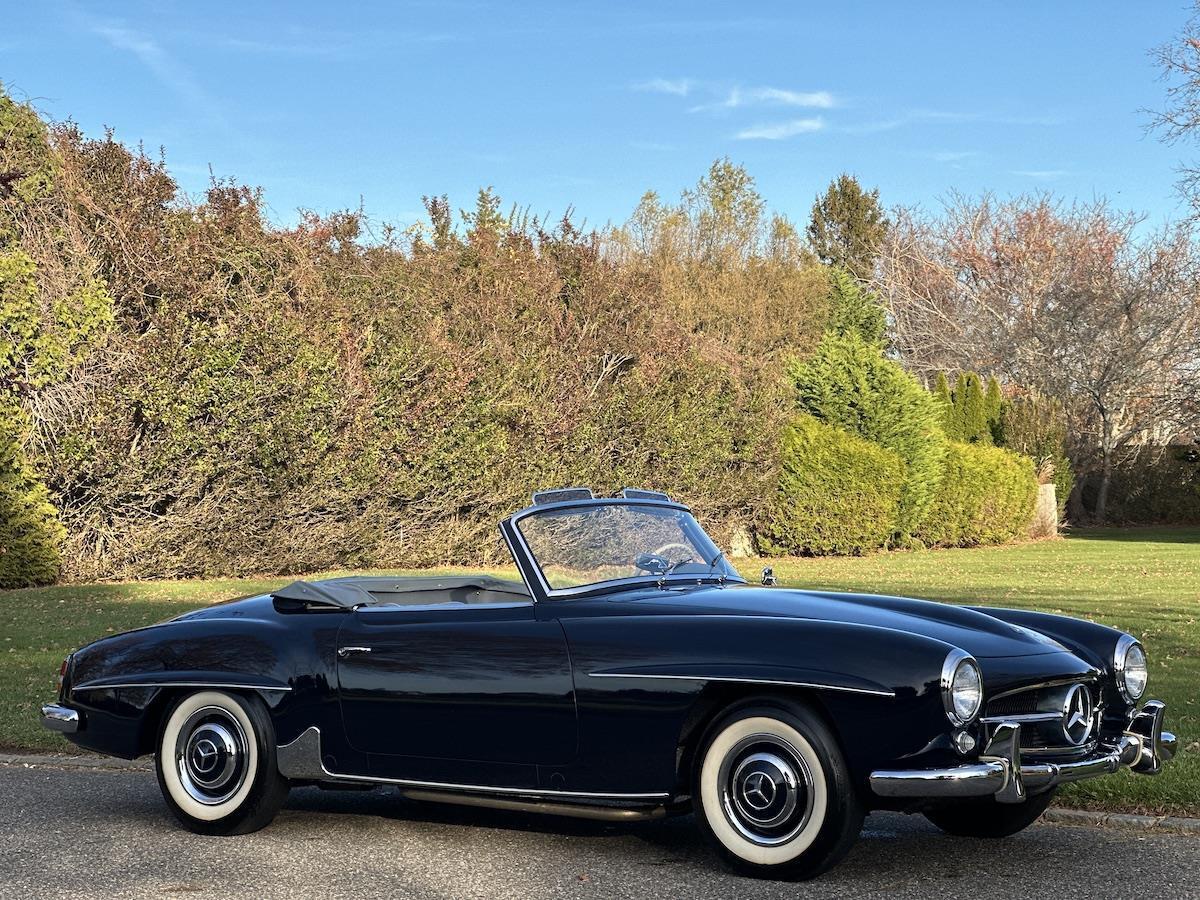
848 383
838 493
1159 486
987 496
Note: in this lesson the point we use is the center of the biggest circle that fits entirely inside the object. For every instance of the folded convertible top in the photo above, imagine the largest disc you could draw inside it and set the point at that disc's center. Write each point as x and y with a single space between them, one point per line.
344 594
366 590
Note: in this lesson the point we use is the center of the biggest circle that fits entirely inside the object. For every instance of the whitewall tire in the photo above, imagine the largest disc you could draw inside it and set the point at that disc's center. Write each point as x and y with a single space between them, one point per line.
216 763
773 794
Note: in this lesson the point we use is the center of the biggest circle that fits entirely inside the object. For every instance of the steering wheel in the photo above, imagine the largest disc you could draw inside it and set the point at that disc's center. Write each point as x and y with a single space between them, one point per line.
652 563
661 551
670 567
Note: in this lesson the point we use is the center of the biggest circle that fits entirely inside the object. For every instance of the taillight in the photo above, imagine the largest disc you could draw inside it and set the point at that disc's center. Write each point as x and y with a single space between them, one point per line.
62 671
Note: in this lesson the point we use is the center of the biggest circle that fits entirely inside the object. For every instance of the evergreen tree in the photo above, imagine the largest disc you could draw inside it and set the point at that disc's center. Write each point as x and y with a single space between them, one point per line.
855 310
847 226
945 402
958 429
972 419
30 533
993 403
34 350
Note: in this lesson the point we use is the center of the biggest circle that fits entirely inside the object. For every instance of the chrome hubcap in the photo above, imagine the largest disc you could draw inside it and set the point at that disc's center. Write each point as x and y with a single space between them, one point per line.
766 789
211 755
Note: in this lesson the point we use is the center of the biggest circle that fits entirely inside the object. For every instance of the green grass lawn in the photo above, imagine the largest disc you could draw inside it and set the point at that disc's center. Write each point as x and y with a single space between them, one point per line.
1144 581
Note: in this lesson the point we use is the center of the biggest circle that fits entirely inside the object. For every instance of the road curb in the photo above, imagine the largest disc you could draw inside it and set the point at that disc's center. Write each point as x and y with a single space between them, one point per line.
55 761
1121 820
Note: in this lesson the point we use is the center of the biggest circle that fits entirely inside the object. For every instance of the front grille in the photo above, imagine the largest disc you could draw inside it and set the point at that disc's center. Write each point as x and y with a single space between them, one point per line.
1042 736
1014 705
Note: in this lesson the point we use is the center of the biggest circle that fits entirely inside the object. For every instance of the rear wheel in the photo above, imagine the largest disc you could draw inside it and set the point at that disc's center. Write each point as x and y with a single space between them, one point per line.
985 818
773 794
216 764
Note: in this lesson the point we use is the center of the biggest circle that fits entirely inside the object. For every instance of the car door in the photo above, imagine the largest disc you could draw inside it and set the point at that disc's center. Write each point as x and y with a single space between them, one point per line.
425 689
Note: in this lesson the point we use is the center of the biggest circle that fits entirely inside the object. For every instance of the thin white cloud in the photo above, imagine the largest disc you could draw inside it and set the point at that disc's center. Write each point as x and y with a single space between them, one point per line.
927 116
1040 174
164 67
769 96
779 131
308 43
952 156
679 87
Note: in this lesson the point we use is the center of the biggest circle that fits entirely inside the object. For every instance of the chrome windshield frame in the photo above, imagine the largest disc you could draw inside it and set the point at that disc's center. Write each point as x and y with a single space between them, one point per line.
540 589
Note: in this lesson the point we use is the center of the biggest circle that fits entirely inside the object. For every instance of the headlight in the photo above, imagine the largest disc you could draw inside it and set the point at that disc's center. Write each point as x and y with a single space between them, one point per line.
962 687
1129 668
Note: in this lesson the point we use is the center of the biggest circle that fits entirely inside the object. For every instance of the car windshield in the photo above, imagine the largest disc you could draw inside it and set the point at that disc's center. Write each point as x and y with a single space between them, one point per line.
581 546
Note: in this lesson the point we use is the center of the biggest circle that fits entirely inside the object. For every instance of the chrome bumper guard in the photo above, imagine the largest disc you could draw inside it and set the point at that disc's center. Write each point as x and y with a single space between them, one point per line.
60 718
1144 748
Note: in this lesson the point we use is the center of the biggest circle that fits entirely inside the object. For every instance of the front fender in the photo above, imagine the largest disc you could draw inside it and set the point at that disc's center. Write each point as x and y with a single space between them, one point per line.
878 687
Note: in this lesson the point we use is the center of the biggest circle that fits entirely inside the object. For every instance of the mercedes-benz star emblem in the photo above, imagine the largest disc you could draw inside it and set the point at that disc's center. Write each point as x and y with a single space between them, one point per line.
205 756
759 790
1078 714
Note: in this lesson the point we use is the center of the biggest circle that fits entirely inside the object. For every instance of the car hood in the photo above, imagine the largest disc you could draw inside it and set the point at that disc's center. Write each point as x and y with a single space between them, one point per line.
977 633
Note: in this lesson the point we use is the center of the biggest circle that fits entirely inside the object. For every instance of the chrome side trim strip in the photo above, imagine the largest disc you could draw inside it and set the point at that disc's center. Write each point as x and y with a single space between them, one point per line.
735 680
93 686
301 759
574 810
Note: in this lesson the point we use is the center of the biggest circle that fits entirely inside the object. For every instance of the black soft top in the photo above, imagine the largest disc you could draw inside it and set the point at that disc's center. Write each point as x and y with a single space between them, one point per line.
375 590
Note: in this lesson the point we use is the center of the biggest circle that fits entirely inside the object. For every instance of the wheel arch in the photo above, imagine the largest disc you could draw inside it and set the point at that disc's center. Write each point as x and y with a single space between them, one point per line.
164 700
718 700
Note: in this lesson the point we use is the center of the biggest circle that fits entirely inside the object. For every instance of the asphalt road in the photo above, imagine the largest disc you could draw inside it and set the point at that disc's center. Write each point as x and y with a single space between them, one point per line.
74 833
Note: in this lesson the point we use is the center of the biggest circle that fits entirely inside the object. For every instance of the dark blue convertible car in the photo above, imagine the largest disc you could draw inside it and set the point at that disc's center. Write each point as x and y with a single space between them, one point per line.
630 674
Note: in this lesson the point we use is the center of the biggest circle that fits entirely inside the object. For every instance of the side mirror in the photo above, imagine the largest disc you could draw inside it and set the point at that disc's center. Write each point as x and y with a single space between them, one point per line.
768 576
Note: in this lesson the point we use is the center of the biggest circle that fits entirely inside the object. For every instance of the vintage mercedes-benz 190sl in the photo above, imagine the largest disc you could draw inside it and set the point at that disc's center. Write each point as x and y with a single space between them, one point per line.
632 674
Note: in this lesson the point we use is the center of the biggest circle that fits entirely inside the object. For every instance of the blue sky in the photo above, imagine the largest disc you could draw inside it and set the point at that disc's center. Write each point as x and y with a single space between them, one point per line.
558 104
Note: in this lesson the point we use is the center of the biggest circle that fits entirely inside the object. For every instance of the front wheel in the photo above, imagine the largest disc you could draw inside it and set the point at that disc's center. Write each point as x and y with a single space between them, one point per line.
216 764
985 818
773 794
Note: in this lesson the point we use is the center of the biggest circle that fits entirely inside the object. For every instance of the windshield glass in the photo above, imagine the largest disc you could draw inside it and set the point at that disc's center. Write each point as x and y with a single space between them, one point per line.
581 546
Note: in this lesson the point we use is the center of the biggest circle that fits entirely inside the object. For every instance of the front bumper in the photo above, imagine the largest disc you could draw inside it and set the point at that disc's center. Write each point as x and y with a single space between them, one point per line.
1144 748
61 718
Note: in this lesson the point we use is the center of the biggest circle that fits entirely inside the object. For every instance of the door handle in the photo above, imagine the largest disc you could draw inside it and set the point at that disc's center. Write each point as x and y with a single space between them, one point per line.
346 651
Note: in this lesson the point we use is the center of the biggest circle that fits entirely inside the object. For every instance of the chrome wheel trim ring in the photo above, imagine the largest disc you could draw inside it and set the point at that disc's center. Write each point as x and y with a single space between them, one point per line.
211 755
766 789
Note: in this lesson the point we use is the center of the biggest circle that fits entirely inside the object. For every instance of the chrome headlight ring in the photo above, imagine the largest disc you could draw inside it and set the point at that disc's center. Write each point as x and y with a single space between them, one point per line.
960 680
1130 670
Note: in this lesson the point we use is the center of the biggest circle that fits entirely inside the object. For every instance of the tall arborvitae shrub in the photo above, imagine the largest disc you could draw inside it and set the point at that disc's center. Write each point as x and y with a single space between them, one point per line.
1036 426
838 493
993 403
31 535
971 411
39 339
945 403
854 309
849 384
